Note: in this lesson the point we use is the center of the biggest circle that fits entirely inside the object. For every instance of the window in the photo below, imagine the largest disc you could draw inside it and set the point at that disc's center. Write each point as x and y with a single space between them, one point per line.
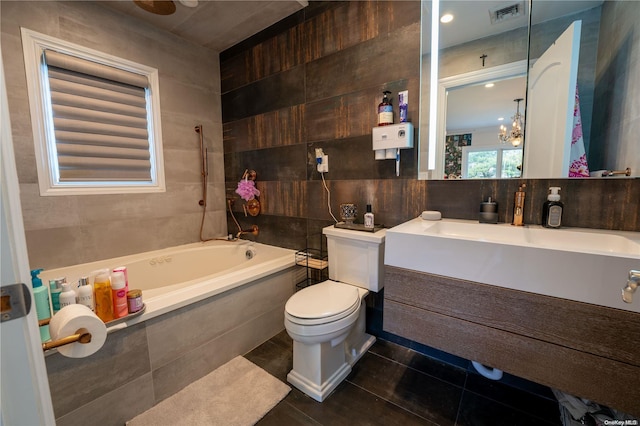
96 120
491 162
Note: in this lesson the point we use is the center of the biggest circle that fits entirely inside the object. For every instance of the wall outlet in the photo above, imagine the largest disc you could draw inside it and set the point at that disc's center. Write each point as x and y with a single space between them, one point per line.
323 165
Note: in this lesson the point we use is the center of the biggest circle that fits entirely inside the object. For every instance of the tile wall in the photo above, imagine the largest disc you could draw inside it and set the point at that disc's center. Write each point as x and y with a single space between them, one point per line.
314 80
67 230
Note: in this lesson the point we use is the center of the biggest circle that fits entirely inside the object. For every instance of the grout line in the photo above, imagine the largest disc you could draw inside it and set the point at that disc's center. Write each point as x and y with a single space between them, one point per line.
464 389
422 372
392 403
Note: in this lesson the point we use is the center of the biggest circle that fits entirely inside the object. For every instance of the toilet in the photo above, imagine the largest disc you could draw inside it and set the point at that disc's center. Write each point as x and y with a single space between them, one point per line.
327 320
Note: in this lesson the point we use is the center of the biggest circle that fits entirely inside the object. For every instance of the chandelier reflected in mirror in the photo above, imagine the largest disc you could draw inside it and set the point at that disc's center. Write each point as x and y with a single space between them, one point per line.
515 135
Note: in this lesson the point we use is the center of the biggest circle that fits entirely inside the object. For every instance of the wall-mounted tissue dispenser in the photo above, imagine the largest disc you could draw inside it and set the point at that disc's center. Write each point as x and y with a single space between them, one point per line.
388 139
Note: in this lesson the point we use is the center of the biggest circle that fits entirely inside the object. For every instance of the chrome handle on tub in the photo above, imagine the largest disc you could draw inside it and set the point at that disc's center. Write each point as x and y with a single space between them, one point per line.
632 285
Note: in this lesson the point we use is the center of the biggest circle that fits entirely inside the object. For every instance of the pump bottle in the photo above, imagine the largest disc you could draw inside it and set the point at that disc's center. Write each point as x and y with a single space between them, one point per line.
41 296
552 209
119 295
385 110
67 296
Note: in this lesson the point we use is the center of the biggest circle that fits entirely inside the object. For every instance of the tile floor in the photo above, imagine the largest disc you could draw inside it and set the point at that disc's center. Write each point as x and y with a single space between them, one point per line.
392 385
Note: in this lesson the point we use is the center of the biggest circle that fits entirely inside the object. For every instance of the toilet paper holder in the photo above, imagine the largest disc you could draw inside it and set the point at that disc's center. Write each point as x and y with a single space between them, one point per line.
82 335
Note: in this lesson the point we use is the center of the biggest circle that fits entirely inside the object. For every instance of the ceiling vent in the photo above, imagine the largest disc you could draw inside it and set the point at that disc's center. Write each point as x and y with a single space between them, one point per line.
503 14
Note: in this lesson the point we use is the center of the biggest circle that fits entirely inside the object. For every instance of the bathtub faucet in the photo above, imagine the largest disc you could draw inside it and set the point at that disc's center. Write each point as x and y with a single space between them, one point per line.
632 285
253 231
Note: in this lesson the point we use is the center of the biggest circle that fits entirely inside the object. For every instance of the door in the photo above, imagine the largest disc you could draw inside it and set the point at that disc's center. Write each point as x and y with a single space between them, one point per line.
24 386
550 104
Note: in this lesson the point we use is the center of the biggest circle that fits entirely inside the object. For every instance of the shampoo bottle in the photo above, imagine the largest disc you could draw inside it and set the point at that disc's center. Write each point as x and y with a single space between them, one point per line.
104 304
368 218
119 295
67 296
41 296
385 110
552 209
85 293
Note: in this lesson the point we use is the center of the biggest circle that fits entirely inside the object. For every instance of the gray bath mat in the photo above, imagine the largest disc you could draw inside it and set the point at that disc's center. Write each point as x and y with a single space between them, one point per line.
236 394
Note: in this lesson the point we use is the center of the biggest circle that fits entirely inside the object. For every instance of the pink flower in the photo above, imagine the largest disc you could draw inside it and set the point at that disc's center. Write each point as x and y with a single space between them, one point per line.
247 190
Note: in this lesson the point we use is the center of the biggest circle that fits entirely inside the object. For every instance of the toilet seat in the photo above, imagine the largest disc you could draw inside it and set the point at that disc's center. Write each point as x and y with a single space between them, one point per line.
322 303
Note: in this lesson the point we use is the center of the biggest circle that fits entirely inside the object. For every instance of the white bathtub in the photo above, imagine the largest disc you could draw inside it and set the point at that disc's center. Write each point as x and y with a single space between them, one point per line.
177 276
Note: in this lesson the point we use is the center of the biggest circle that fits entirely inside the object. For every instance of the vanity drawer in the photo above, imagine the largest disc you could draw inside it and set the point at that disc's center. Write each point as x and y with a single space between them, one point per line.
586 350
602 331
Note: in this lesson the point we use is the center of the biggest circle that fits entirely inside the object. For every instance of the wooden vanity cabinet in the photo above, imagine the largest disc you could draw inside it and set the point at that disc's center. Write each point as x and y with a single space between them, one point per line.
586 350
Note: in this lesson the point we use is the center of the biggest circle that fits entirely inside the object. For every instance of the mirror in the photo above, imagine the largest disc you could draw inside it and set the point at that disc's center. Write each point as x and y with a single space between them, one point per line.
471 45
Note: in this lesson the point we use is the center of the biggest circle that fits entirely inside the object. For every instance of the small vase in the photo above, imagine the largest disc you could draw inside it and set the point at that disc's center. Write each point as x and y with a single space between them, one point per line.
348 212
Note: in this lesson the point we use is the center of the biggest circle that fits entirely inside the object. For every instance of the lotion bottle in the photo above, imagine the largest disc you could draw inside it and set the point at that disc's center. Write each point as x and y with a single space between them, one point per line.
368 218
552 209
41 296
104 304
119 295
67 296
55 286
385 110
85 293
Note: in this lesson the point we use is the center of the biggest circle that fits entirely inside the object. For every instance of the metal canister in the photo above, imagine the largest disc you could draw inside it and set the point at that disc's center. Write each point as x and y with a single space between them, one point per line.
134 300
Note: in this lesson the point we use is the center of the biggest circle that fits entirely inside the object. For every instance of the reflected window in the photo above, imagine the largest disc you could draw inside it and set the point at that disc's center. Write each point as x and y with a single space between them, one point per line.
488 162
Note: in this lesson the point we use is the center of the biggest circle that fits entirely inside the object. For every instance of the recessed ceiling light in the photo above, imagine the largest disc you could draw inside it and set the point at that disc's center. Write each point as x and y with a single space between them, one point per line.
489 85
446 18
500 118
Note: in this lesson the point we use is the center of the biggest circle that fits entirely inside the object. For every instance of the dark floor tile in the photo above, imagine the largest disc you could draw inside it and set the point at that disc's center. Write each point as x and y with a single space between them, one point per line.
351 405
413 359
274 356
545 409
419 393
476 410
285 414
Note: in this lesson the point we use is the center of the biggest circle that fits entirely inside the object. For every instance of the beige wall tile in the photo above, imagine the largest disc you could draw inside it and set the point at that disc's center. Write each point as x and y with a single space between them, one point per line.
114 225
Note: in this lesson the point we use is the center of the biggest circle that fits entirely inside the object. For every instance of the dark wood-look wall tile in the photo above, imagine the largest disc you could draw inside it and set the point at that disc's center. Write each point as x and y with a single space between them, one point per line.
287 163
283 198
235 71
276 54
373 63
271 129
350 23
280 231
354 113
269 94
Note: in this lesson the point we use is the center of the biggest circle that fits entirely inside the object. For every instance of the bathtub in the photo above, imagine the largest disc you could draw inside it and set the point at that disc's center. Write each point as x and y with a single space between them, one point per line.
178 276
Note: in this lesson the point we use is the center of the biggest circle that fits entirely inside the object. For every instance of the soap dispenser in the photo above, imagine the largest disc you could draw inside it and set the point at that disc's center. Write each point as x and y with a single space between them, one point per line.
552 209
518 207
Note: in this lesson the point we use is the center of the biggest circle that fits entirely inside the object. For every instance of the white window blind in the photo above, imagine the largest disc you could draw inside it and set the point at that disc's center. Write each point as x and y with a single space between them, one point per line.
95 117
99 115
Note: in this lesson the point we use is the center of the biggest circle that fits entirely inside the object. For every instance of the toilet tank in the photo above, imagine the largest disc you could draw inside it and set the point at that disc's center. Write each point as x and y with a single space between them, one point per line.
356 257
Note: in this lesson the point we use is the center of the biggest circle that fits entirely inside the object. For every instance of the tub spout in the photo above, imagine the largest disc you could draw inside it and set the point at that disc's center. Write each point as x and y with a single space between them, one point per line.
253 231
632 285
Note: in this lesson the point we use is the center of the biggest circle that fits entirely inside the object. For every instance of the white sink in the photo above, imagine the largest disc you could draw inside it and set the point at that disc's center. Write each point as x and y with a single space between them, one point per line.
585 265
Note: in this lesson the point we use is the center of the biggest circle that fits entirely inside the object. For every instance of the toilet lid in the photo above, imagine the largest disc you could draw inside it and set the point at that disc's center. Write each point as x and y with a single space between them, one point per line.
327 301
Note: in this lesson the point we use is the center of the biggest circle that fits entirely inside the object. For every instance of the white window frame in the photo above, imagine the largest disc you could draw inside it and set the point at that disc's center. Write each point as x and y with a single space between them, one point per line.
34 44
500 148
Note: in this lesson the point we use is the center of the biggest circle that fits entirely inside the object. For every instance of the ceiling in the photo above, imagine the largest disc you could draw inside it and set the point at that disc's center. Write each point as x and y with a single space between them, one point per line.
216 24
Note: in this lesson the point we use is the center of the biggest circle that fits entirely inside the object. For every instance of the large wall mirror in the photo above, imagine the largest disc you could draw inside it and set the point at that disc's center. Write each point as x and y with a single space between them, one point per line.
515 88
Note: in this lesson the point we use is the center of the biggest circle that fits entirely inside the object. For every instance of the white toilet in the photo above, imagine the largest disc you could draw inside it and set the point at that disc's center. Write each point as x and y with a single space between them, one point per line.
327 320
